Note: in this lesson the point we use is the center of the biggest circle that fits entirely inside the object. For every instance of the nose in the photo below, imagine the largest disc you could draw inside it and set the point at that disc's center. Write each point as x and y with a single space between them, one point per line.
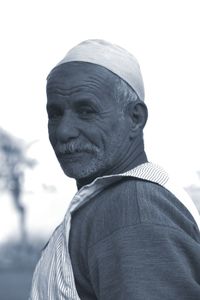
67 128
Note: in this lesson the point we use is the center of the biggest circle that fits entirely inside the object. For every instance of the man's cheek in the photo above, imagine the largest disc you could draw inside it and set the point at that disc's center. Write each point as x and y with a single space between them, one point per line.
51 132
52 140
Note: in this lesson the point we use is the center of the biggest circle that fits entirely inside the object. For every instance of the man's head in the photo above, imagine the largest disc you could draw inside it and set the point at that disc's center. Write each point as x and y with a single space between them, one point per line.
94 118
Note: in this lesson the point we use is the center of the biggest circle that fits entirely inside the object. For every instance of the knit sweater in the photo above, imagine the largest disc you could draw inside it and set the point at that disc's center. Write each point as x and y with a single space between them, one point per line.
135 240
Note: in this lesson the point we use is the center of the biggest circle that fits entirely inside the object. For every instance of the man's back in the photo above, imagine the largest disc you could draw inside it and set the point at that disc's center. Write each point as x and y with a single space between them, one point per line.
135 240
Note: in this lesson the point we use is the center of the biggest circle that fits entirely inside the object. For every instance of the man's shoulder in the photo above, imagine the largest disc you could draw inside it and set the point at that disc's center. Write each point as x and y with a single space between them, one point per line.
132 200
127 203
139 196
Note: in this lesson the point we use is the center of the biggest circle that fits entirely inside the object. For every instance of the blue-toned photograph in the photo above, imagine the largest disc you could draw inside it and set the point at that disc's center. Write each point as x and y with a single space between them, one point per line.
99 150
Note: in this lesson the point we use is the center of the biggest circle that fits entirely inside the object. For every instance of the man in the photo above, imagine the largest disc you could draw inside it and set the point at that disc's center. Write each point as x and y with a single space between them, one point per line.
129 232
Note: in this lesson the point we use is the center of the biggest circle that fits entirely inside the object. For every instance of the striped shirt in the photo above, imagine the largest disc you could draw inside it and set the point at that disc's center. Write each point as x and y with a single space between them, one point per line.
53 277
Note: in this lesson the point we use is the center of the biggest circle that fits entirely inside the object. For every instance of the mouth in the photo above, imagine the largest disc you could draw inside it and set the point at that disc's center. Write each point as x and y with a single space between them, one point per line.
75 156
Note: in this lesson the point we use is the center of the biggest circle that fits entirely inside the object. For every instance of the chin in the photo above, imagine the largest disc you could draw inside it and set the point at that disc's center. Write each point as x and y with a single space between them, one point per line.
79 172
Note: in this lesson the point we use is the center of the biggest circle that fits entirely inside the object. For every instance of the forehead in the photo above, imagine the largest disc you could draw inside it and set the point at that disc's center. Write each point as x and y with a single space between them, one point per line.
81 77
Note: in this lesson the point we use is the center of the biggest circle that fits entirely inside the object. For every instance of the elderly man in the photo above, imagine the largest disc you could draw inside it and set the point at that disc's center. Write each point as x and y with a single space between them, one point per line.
129 232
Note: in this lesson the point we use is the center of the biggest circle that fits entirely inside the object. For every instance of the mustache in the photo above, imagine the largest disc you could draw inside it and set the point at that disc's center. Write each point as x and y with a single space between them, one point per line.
75 147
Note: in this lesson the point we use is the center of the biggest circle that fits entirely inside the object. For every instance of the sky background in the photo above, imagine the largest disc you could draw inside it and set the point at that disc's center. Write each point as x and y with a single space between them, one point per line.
165 38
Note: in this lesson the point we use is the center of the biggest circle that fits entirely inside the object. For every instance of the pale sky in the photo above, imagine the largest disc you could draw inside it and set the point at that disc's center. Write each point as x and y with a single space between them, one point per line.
165 38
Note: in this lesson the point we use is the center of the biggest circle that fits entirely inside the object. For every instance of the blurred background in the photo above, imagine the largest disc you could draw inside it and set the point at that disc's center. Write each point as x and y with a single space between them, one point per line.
35 35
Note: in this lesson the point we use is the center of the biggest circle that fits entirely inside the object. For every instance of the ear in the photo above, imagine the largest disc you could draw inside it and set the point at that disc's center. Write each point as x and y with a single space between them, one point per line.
138 115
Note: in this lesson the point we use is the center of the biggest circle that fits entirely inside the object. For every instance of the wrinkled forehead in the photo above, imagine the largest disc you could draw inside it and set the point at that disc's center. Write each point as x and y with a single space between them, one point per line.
82 76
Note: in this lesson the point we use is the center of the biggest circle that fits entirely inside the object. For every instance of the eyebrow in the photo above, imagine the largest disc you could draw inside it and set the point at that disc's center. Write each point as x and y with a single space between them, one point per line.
53 105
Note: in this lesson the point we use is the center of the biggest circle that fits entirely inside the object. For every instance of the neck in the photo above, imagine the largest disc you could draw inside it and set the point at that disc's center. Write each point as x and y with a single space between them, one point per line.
134 157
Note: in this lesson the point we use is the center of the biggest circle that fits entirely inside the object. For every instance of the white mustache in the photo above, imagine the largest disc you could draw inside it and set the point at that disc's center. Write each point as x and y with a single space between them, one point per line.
75 147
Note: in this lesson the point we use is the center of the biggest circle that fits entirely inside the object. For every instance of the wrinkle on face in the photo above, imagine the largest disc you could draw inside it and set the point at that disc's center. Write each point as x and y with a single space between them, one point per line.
98 79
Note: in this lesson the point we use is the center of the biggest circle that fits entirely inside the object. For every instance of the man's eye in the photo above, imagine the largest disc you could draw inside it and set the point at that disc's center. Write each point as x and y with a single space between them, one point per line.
54 114
86 111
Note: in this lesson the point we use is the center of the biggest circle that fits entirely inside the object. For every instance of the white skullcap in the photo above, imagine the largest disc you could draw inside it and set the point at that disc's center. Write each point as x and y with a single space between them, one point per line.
112 57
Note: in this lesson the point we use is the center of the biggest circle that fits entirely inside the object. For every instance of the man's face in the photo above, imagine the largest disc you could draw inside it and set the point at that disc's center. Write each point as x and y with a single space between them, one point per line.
87 128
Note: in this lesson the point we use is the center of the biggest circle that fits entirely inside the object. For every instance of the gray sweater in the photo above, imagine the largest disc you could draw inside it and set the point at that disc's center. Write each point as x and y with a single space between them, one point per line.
135 240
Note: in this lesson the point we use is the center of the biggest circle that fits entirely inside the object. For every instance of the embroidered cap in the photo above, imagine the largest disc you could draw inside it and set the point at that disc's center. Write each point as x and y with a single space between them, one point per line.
112 57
